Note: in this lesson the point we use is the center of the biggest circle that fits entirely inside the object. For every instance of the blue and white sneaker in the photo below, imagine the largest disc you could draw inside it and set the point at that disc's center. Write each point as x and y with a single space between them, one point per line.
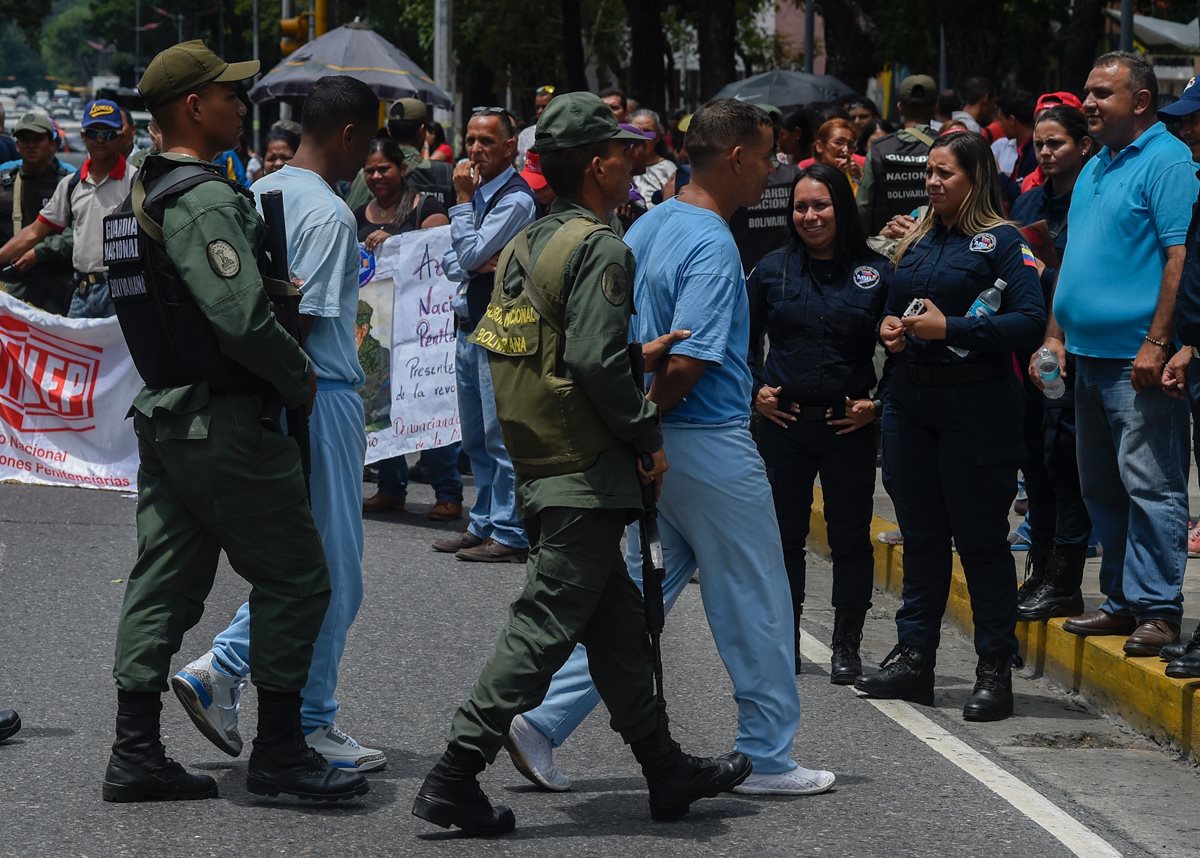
342 752
211 699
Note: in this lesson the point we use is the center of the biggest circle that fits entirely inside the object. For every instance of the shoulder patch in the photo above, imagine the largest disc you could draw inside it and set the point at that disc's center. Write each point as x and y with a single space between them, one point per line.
984 242
1027 256
615 284
223 258
865 277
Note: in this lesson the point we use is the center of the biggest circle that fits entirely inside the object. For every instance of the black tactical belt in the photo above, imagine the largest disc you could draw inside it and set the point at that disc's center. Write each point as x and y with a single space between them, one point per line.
965 374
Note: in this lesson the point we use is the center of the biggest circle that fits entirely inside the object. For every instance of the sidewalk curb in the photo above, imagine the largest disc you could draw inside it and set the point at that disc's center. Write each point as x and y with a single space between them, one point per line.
1136 689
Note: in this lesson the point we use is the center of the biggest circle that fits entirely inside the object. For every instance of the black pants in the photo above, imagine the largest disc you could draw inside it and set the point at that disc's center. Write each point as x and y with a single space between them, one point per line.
1057 514
794 457
951 455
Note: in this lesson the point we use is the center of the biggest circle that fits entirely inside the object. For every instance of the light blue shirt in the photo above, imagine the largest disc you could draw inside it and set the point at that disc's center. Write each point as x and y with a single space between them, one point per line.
475 239
323 255
1127 208
689 276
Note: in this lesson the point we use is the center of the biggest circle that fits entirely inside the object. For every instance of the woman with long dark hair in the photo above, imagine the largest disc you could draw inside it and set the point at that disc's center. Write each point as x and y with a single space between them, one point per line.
963 298
818 300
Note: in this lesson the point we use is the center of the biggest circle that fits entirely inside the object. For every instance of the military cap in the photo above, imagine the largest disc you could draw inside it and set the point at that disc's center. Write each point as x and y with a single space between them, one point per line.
918 89
365 311
35 121
408 110
577 119
186 67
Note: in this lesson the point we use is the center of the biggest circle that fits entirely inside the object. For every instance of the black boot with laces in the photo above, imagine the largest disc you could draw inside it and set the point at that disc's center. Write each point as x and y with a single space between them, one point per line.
676 779
1038 563
992 699
845 664
907 674
1176 650
139 768
451 795
1059 595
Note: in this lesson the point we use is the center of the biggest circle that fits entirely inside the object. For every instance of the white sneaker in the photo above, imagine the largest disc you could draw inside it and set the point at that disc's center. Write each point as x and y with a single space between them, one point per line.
799 781
211 699
533 755
342 752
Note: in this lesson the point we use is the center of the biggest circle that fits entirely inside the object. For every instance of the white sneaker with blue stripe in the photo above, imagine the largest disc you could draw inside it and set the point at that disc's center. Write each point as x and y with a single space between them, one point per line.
342 752
211 699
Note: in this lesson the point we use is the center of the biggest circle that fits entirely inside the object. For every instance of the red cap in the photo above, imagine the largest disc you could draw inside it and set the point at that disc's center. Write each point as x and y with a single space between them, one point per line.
532 173
1053 99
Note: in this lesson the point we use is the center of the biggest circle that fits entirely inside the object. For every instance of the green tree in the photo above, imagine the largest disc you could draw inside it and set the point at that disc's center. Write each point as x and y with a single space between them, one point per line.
23 65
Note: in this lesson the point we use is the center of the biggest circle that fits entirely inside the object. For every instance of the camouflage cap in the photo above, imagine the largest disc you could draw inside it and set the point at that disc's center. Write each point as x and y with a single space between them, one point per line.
186 67
578 119
365 311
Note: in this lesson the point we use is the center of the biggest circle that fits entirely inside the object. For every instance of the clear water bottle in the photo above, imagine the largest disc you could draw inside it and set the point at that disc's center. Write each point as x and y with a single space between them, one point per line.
986 304
1047 368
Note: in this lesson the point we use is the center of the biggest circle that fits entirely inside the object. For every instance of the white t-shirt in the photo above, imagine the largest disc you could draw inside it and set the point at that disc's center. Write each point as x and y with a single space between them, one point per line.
655 177
85 210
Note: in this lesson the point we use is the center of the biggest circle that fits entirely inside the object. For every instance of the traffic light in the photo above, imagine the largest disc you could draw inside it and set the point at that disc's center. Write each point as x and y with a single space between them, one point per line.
293 32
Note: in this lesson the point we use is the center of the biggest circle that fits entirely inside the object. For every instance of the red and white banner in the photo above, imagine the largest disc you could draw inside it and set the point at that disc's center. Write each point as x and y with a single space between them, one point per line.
65 388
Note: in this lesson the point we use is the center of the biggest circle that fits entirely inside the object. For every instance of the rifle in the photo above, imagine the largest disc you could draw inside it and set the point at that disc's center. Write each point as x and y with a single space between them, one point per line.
285 301
653 569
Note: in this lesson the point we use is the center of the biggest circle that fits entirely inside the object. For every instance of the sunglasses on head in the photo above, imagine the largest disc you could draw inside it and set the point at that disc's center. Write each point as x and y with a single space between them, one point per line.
102 136
488 111
545 90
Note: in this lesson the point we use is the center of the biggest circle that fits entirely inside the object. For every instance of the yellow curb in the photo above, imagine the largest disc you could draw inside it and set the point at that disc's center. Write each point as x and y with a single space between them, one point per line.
1136 689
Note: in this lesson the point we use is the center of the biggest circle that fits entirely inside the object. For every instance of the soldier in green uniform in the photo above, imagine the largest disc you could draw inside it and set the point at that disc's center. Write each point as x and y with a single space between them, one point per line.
376 363
575 425
215 473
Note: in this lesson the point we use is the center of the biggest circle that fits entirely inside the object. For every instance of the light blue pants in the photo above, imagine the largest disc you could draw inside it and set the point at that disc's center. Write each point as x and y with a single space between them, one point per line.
339 445
495 511
716 511
94 303
1133 467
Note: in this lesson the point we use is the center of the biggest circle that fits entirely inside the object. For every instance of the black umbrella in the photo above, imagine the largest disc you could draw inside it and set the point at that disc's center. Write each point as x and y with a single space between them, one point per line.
355 50
784 88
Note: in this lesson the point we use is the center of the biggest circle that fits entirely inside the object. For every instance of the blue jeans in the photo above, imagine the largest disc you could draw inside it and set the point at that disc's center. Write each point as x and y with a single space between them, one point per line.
1133 467
717 510
339 446
495 511
94 303
441 464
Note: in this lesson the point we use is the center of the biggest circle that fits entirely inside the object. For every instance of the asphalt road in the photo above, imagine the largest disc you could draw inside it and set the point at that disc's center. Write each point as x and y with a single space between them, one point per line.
427 626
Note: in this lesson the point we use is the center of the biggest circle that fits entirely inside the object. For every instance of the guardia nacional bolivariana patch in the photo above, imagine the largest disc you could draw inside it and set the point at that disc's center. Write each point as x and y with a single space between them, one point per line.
615 284
223 258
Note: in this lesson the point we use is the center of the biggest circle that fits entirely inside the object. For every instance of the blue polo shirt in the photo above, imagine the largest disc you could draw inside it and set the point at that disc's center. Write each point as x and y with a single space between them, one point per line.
1126 210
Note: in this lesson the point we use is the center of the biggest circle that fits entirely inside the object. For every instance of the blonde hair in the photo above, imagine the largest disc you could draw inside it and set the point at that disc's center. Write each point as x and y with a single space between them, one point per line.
982 209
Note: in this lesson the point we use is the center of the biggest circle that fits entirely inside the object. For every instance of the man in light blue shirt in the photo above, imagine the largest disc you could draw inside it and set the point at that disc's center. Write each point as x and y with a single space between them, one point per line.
1114 310
323 260
494 204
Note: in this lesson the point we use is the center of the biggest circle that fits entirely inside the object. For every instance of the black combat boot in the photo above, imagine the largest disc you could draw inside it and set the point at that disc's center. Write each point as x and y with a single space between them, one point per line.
845 665
1038 563
1186 665
451 795
282 762
1170 652
676 779
10 724
908 677
1060 595
992 699
139 768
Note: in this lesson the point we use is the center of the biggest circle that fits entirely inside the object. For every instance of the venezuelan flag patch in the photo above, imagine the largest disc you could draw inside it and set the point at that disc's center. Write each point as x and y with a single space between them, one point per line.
1027 256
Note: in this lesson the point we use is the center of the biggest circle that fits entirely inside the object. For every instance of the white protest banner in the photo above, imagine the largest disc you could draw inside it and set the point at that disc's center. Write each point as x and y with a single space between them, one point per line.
65 387
405 286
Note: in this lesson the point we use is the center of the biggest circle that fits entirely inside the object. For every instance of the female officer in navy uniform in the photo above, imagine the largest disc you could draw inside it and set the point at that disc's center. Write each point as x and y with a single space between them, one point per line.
952 433
819 300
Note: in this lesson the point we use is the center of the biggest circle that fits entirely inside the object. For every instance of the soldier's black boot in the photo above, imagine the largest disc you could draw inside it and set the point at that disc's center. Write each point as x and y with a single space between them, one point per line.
1038 563
907 674
139 768
1171 652
282 762
676 779
992 699
451 795
1061 594
845 665
10 724
1186 665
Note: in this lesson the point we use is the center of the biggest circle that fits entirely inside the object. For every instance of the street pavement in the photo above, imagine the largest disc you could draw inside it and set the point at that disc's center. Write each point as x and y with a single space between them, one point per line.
428 623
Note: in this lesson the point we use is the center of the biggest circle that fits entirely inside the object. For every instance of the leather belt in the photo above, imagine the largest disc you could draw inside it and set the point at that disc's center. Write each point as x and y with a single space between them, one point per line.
83 281
962 374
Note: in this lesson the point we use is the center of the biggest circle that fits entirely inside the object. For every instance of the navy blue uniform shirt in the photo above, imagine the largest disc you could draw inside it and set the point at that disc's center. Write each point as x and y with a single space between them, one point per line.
1041 203
953 269
1187 300
821 319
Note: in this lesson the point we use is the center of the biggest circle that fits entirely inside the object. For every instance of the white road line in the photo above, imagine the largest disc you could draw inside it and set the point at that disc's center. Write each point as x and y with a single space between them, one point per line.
1069 831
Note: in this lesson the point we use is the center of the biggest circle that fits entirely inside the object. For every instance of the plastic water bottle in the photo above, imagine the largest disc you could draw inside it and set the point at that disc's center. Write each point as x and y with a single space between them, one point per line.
1047 367
986 304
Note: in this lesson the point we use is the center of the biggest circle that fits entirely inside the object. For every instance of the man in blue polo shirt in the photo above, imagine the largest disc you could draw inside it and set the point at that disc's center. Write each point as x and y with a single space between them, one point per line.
1114 310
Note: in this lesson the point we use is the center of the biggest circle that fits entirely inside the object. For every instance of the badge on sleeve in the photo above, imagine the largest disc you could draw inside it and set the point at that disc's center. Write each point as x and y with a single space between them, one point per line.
615 284
223 258
1027 256
985 242
865 277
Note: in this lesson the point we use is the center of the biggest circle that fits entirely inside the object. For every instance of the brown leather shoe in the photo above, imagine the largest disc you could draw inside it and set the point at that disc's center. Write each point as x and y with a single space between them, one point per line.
492 551
445 511
1151 636
1100 623
456 543
381 502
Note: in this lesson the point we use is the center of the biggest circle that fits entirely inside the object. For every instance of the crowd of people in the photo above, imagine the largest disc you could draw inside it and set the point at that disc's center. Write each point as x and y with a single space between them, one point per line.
811 283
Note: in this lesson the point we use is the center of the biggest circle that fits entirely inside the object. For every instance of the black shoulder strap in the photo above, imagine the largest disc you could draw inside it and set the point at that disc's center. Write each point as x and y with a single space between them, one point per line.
170 184
76 178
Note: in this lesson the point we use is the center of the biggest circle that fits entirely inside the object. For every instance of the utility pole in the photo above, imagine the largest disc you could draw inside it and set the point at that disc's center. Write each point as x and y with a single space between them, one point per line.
137 40
1127 25
256 120
810 24
285 11
443 53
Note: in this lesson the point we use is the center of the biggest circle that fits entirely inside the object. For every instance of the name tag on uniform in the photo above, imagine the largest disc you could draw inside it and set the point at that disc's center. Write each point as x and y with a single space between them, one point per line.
123 255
